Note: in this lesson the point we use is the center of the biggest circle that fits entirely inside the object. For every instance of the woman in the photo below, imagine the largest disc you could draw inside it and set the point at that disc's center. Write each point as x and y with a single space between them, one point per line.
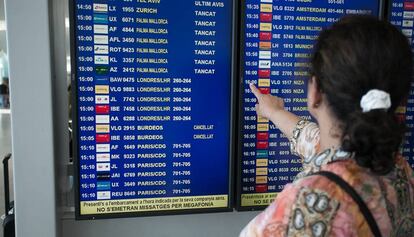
361 72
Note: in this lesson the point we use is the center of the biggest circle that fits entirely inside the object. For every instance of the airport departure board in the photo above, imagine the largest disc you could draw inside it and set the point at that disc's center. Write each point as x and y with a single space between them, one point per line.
277 42
153 106
401 14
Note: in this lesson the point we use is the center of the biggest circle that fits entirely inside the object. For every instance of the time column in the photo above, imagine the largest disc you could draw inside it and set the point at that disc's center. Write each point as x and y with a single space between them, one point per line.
251 75
86 99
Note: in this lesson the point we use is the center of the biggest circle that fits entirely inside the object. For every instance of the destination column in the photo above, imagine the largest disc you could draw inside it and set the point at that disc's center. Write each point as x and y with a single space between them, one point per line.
153 100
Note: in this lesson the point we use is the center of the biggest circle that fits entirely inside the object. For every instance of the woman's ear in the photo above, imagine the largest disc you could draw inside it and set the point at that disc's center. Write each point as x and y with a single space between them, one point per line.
314 96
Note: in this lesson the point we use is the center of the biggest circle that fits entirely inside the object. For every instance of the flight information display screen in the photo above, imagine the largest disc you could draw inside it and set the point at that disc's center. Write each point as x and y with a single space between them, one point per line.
153 106
277 42
401 14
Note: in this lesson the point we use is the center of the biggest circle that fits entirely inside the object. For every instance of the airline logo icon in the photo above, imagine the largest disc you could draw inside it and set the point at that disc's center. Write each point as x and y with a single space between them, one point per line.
261 188
261 179
102 138
264 82
102 89
265 7
102 119
102 99
265 45
401 110
100 39
103 157
265 54
408 15
103 176
265 17
103 186
262 162
102 109
100 18
409 5
262 120
104 148
103 167
102 128
101 60
265 91
262 154
102 70
101 49
265 27
103 195
100 29
264 64
262 136
262 145
97 7
407 32
408 23
265 36
261 171
264 73
400 118
263 127
101 80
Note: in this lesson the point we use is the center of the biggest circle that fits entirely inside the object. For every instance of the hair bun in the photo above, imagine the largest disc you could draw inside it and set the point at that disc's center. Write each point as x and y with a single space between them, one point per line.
352 57
374 137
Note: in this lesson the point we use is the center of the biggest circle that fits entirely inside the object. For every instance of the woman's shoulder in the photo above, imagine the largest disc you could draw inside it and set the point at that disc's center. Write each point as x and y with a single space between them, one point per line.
303 208
310 206
390 197
340 215
402 163
315 206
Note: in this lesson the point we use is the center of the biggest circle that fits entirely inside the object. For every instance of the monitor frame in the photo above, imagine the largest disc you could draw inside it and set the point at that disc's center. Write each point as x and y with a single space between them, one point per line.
239 183
232 127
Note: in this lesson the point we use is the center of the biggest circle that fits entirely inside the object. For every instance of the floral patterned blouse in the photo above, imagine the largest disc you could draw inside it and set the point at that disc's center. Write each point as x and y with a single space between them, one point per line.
315 206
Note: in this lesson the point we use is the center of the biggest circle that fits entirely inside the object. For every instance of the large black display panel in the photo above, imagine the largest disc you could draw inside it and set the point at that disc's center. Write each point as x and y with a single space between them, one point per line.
401 14
153 106
277 42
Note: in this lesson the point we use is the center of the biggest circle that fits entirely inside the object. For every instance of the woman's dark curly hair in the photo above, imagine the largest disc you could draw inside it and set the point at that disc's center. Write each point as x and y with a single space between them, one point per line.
355 55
